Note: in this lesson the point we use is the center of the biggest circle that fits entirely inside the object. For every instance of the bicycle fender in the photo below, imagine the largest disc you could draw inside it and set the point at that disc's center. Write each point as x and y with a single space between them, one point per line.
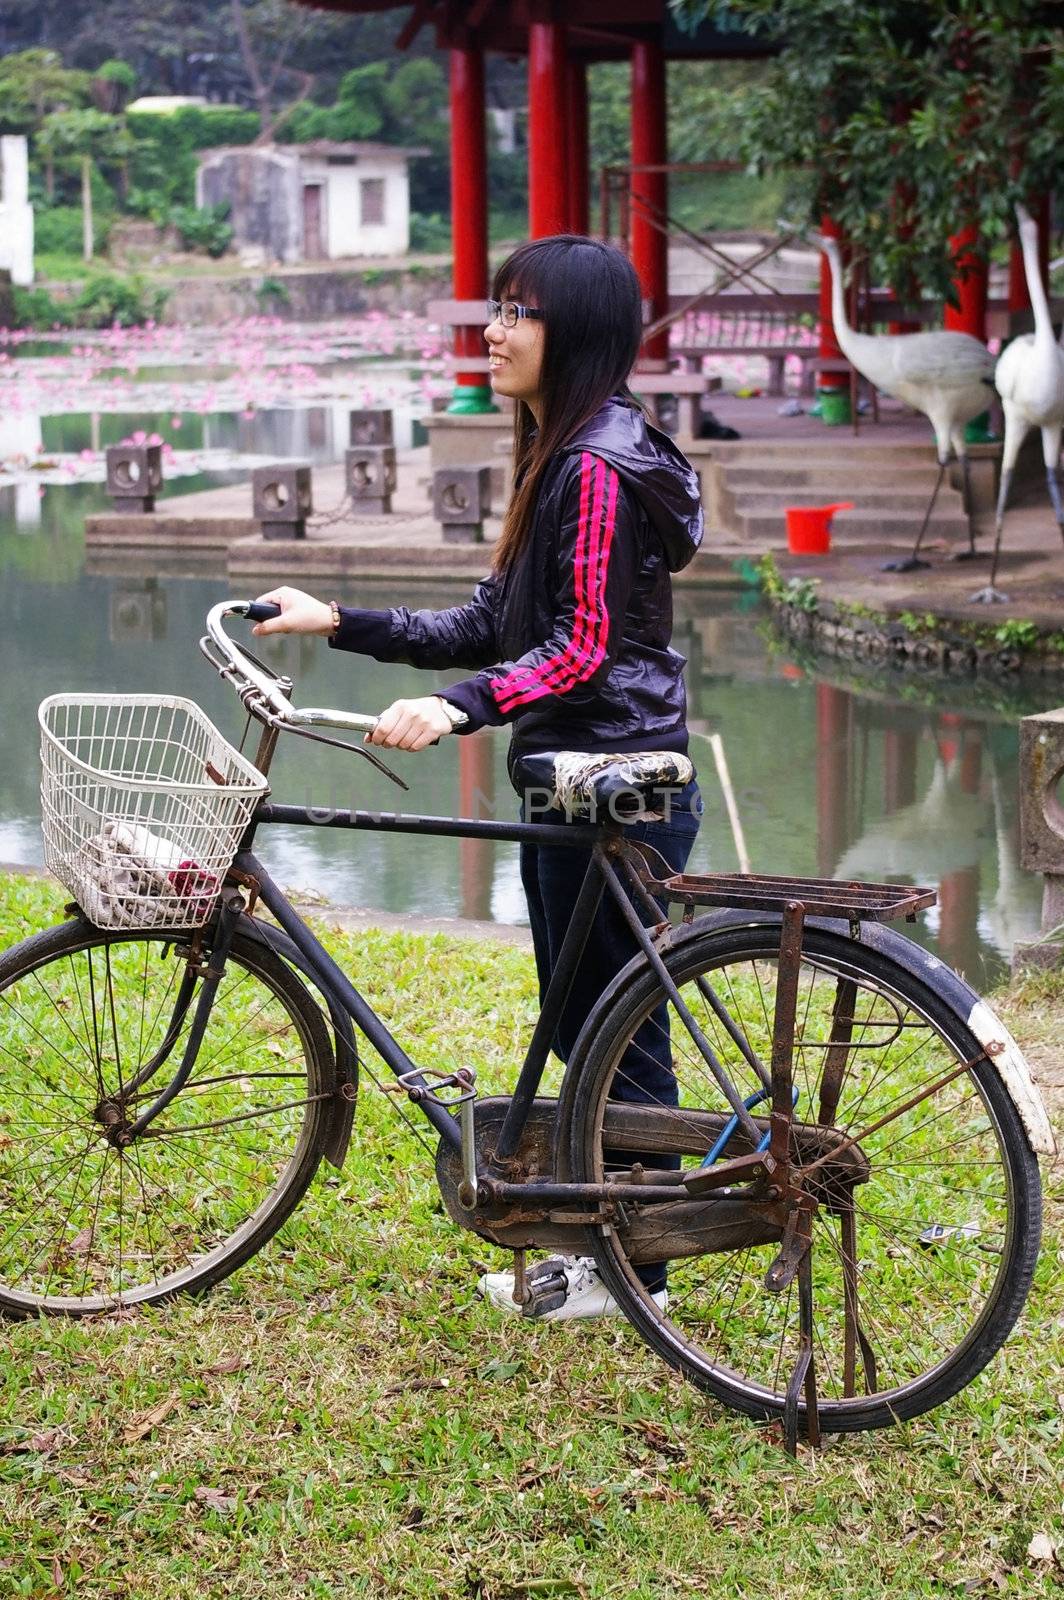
1002 1049
1007 1058
342 1107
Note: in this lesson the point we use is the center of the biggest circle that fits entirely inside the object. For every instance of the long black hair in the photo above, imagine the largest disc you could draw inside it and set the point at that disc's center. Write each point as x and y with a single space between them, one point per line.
592 318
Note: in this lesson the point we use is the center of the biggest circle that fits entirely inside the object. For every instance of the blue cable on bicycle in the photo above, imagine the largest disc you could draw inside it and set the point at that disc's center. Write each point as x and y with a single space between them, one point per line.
720 1144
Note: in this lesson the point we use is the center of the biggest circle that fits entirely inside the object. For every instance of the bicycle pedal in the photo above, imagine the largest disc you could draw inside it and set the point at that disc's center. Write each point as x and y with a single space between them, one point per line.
547 1294
546 1287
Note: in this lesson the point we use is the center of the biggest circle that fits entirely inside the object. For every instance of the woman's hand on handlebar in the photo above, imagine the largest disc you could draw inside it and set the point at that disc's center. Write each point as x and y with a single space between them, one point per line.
411 724
300 613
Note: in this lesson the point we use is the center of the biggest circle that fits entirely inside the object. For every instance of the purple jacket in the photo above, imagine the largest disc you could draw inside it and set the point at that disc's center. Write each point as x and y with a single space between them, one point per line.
572 640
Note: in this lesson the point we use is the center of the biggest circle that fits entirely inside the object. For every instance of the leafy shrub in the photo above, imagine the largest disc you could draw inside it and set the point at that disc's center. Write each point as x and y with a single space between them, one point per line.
272 294
106 299
163 166
115 71
35 308
57 230
205 229
431 233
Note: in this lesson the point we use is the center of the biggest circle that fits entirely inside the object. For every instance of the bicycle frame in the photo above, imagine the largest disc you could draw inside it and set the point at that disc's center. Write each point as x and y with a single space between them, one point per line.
600 877
624 870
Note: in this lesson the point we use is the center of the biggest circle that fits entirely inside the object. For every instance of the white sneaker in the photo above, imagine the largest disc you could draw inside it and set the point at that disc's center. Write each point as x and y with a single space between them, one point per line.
564 1288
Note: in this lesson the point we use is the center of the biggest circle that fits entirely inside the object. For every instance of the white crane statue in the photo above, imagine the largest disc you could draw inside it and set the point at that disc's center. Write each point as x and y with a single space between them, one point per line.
948 376
1030 380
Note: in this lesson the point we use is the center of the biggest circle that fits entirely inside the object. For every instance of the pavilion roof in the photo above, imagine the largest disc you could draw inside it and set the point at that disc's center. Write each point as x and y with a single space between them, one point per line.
599 30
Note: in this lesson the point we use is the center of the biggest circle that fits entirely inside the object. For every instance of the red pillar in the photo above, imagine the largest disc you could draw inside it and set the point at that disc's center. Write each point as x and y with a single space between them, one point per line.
971 285
650 244
971 279
832 775
578 150
899 768
548 204
834 386
958 893
469 214
1019 299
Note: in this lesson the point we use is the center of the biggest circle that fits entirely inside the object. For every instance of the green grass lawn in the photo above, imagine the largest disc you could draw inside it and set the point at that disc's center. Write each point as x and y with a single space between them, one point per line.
343 1418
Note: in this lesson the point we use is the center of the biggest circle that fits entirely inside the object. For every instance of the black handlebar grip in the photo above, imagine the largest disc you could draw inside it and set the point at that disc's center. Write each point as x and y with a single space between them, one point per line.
262 611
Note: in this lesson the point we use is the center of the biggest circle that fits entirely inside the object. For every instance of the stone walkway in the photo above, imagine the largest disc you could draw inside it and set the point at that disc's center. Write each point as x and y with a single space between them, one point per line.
214 528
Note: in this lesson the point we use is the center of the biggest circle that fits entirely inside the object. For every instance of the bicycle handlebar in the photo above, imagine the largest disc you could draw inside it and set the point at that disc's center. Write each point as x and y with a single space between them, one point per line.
254 681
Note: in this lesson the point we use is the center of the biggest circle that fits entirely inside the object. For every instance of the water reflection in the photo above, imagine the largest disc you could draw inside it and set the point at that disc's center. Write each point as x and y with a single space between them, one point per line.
831 777
137 612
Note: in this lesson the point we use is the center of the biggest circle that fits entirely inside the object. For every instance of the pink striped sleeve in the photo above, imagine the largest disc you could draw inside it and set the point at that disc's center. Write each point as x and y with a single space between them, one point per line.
585 648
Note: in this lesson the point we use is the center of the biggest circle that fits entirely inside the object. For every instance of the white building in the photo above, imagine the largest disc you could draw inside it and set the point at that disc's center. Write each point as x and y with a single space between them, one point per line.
16 213
312 202
162 105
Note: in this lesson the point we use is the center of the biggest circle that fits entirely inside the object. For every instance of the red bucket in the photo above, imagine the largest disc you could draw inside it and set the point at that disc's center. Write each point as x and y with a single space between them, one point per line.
809 528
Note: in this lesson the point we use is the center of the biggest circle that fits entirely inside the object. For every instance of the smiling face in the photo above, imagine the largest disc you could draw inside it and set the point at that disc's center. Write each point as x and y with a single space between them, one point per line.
516 357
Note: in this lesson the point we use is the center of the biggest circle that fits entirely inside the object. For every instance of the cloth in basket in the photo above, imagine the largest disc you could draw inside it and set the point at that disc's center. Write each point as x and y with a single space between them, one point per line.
137 879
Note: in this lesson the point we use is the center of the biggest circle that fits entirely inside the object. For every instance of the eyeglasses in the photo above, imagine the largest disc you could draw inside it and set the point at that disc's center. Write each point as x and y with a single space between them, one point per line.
509 313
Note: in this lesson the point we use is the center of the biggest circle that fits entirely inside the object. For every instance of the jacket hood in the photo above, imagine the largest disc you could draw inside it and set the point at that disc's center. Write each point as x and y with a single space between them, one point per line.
657 472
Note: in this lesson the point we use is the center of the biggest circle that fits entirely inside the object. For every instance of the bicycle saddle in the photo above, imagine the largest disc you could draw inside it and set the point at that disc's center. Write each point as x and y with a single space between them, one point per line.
620 788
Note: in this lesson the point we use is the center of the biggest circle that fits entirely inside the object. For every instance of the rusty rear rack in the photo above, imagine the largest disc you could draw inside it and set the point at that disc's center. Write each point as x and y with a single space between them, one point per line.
818 897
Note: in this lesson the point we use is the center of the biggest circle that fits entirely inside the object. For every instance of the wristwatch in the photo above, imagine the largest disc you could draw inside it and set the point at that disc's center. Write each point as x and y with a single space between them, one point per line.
456 718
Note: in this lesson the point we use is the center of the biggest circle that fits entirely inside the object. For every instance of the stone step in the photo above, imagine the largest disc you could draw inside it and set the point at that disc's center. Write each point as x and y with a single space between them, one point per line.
903 500
865 527
840 479
808 451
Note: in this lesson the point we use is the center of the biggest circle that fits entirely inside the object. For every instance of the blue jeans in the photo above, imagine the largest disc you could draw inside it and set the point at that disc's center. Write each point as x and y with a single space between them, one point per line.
552 875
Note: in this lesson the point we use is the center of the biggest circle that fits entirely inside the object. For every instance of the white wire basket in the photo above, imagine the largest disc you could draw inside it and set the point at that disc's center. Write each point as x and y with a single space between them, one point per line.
143 805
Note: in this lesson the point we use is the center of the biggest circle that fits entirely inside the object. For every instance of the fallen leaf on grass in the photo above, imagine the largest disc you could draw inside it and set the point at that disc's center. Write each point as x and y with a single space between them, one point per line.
230 1364
39 1444
658 1439
541 1586
141 1426
418 1383
1041 1548
215 1499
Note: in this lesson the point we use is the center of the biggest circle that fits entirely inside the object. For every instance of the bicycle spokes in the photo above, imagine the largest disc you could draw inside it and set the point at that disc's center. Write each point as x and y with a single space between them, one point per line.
100 1206
794 1271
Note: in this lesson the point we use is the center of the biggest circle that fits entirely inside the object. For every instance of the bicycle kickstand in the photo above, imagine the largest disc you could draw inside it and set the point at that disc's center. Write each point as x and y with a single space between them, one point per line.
426 1083
795 1260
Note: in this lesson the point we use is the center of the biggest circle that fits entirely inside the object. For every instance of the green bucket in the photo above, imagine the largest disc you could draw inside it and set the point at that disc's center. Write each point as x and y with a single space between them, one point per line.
979 431
833 407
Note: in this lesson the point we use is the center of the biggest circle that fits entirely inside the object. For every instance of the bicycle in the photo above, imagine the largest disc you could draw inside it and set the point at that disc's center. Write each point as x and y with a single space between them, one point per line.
845 1191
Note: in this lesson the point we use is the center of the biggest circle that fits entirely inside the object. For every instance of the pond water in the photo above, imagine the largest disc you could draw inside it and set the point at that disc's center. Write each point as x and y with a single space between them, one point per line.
888 778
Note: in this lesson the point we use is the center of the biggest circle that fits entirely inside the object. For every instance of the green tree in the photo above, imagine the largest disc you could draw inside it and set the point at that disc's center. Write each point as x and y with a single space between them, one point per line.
80 138
360 110
34 83
906 119
112 85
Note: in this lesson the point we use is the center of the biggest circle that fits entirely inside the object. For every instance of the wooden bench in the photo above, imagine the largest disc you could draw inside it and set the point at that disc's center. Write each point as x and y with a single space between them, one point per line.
692 357
687 387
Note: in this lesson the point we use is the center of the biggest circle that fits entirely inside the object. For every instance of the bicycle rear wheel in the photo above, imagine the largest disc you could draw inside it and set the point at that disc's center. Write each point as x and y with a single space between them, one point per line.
88 1223
919 1266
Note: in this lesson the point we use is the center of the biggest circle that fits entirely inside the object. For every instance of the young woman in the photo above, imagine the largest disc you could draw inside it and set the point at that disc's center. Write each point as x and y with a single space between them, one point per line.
569 635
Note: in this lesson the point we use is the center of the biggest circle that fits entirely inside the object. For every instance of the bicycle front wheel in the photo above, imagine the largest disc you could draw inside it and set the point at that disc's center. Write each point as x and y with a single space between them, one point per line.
924 1245
92 1029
